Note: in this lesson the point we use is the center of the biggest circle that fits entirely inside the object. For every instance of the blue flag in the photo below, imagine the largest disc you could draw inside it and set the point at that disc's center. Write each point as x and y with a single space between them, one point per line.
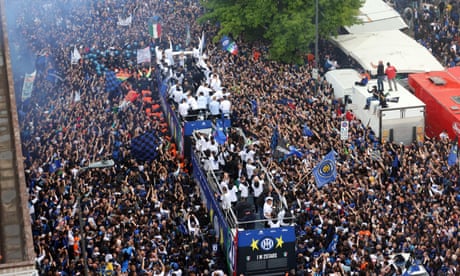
145 146
453 154
332 247
55 165
307 131
254 107
111 81
274 139
219 134
293 151
229 45
326 170
395 163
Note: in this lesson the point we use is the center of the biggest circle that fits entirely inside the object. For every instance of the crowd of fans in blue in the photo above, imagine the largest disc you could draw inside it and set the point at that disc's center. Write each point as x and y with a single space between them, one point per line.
147 218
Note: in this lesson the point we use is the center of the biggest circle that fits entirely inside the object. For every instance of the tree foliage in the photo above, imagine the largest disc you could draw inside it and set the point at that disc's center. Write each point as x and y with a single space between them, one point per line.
288 25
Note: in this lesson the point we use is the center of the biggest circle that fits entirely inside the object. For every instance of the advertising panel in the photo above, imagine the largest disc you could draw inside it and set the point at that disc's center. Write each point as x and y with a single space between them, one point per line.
264 251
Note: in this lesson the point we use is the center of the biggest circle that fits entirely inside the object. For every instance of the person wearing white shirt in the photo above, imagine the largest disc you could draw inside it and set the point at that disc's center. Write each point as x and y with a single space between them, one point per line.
268 207
205 89
233 190
218 272
191 101
202 101
169 54
221 158
182 58
219 94
193 225
214 106
225 181
178 95
213 146
158 55
250 167
214 163
215 83
173 89
225 198
225 105
279 220
210 163
207 164
444 135
166 70
242 154
183 108
249 155
243 187
258 190
201 143
204 143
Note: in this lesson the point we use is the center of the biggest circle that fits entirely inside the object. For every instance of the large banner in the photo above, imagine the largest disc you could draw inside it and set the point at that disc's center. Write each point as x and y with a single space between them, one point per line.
268 250
28 85
144 55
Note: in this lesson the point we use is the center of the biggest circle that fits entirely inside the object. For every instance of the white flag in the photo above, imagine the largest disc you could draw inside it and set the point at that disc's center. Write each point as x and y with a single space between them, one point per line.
125 22
77 96
28 85
143 55
202 44
75 57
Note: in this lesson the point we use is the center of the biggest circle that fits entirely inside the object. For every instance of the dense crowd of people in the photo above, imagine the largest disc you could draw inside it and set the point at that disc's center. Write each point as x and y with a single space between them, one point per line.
147 218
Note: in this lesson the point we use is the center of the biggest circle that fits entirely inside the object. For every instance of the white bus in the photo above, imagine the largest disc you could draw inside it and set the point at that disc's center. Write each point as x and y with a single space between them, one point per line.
401 120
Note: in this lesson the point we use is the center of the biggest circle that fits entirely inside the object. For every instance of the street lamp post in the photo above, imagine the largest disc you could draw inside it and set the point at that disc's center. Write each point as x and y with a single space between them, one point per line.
94 165
316 33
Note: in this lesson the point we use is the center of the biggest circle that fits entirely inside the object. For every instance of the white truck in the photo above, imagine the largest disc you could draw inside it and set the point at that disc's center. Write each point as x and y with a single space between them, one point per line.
401 120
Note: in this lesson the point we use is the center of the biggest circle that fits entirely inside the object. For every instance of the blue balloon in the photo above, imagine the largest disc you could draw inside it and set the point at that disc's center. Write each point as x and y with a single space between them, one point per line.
128 46
128 55
134 52
135 43
117 52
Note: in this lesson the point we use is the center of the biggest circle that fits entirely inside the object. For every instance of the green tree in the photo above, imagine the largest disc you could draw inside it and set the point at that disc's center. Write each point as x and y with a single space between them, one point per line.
288 25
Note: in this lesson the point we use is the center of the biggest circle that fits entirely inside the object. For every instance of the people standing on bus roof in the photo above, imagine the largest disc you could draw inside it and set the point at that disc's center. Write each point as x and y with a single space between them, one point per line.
380 74
390 71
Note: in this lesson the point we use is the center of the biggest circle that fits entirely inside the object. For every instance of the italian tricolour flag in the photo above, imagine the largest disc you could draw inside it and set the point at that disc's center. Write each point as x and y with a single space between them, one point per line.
155 30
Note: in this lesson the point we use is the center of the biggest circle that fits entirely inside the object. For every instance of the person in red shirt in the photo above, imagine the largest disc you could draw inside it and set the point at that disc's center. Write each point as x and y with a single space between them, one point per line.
390 71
